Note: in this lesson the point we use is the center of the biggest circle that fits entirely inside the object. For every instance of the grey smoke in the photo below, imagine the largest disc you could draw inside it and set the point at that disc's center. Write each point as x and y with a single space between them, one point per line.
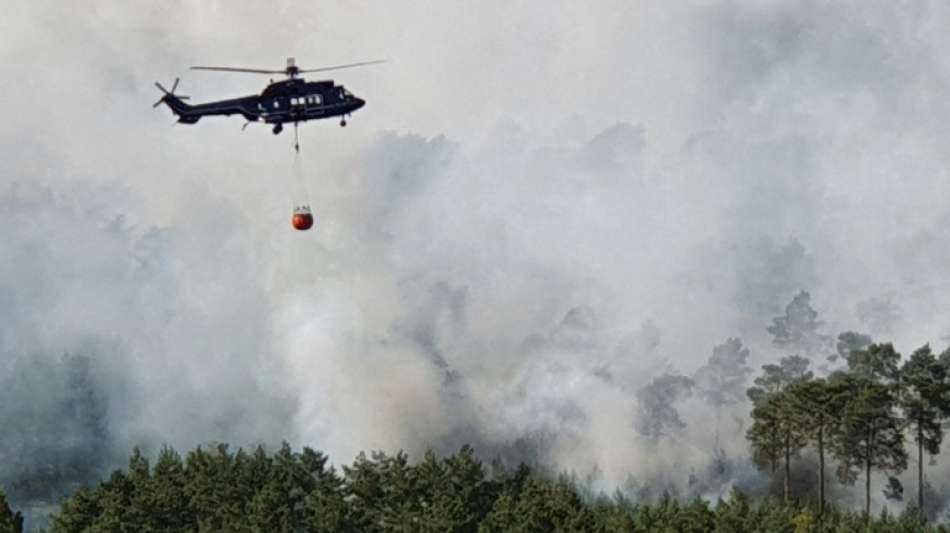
529 222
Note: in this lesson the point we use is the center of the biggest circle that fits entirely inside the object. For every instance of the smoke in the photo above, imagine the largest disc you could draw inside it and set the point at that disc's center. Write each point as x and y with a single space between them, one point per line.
511 240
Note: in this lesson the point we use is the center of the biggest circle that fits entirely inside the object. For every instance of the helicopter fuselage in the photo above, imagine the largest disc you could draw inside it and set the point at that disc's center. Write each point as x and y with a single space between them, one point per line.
293 100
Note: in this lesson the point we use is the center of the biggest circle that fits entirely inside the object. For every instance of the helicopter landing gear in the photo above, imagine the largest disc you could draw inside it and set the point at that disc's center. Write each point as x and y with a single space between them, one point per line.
278 128
342 122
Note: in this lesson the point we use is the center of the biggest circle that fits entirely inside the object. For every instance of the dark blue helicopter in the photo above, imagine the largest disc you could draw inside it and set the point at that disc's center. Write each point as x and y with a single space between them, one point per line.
292 100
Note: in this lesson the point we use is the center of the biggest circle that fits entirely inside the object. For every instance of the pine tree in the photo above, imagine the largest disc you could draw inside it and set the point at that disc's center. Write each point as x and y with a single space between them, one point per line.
791 369
366 491
657 413
850 341
870 434
213 489
116 510
815 405
722 379
163 499
10 522
465 495
78 513
400 504
798 329
765 436
774 434
327 509
925 400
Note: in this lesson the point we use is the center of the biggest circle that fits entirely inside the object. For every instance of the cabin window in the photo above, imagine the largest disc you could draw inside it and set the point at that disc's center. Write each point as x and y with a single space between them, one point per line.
316 99
293 101
276 103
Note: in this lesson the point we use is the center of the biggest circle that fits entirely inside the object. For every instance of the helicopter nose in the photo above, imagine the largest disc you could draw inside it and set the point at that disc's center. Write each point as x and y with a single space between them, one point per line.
358 103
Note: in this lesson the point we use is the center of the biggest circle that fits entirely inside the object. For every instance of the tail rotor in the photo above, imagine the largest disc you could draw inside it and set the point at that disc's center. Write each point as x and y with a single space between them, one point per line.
168 93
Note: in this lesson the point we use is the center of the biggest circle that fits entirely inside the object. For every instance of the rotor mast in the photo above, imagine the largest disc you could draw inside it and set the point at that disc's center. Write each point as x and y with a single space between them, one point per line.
292 69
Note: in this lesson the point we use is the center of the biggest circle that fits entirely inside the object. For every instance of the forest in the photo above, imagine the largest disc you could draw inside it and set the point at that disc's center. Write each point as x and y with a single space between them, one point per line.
835 413
217 490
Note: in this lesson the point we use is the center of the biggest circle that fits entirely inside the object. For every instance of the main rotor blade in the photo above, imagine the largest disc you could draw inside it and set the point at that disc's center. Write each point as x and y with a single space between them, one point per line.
324 69
232 69
174 85
160 88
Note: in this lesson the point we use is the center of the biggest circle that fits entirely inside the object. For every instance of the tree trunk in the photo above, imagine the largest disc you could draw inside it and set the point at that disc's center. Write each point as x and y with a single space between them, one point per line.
718 415
788 468
920 471
867 490
821 471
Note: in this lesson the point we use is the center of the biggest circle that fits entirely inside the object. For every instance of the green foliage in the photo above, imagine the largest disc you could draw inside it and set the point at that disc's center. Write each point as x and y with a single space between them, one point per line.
220 491
775 378
924 398
848 342
777 432
860 415
870 433
814 407
10 522
925 401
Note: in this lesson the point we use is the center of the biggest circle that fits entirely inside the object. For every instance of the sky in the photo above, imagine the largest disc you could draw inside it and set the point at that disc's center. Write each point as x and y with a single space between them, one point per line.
537 195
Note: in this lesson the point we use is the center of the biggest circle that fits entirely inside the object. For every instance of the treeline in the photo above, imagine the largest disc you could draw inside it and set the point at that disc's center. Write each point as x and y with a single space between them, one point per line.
220 491
10 522
857 406
862 416
838 404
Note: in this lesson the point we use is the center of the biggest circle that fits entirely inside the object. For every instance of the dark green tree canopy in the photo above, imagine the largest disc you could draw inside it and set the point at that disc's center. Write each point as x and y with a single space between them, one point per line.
878 363
848 342
10 522
925 397
791 369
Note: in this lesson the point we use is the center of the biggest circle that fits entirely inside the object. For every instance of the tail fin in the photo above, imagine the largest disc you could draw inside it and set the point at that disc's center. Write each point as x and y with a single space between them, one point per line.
176 104
181 109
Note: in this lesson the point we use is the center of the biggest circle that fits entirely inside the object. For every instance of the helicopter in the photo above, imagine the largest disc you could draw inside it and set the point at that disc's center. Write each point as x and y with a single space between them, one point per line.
292 100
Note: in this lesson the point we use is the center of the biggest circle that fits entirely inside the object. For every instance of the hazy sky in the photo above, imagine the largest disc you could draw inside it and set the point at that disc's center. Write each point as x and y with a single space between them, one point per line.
535 194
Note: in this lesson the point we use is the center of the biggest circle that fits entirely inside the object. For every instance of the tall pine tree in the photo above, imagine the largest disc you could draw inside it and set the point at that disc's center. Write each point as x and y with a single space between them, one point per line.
722 379
774 434
870 435
815 405
798 329
925 400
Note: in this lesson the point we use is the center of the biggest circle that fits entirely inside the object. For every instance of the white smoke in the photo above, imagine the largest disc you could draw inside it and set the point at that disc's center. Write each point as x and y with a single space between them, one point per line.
589 198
